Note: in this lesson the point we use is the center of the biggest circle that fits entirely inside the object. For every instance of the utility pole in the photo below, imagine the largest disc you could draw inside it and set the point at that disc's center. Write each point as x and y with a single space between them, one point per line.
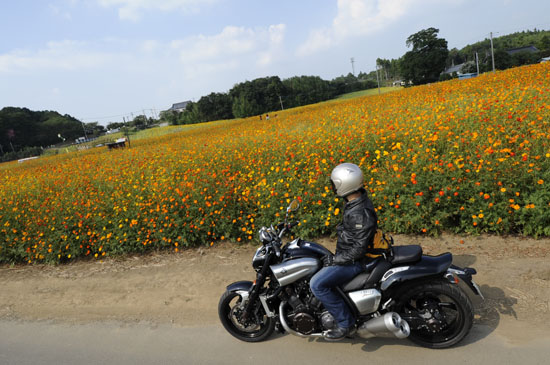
84 128
492 52
377 79
352 66
126 131
477 63
281 100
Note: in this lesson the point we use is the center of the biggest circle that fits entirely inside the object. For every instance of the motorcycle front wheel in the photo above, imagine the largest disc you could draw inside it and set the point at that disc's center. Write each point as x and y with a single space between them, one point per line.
257 327
439 313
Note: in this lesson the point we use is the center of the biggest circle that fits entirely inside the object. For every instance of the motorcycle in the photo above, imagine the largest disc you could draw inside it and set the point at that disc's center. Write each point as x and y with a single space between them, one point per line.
402 294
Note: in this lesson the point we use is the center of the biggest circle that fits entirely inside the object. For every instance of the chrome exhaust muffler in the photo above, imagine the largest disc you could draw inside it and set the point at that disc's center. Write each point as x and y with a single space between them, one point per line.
389 325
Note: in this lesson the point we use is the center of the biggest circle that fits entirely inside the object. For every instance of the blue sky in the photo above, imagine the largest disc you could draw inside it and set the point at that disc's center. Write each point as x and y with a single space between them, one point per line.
100 60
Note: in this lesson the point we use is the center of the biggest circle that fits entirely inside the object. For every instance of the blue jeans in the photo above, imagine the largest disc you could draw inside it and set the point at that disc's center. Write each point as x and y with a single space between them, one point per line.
322 284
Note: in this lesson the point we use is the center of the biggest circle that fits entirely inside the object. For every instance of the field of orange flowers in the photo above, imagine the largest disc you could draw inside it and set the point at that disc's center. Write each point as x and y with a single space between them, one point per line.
465 156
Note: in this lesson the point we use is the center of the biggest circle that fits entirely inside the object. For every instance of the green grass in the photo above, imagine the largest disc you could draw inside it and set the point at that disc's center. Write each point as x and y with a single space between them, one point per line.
107 138
368 92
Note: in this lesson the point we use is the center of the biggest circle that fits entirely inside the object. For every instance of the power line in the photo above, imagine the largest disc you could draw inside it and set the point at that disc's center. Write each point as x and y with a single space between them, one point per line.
142 111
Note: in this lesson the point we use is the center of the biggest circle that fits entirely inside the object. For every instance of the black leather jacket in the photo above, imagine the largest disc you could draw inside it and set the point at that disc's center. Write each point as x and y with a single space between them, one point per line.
356 231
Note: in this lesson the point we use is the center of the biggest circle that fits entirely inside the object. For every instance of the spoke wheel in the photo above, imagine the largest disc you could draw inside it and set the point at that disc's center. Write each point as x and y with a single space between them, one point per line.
257 327
439 313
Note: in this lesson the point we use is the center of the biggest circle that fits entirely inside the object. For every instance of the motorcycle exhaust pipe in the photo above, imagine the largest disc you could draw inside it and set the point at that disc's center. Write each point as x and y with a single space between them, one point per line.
389 325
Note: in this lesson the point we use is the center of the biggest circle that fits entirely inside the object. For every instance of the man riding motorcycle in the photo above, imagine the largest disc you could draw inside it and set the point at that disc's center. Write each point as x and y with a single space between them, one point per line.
355 234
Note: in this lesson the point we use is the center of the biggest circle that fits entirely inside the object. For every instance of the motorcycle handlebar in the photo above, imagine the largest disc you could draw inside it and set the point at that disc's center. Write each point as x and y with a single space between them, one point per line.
288 226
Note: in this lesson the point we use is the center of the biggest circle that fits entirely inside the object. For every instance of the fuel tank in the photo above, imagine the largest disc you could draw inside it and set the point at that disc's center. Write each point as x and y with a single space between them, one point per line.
300 248
292 270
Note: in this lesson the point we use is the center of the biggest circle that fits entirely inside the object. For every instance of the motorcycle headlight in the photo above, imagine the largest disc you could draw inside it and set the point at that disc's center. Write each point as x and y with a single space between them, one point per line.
259 258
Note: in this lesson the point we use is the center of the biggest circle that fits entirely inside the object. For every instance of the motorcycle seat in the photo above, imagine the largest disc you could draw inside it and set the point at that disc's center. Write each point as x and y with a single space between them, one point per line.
374 271
406 254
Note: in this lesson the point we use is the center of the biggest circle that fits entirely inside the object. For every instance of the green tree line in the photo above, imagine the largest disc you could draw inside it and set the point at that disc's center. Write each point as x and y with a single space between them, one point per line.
265 95
429 56
24 133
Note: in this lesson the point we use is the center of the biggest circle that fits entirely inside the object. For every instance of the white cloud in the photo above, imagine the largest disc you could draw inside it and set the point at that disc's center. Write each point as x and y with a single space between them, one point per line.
62 55
133 9
359 18
234 47
149 46
60 12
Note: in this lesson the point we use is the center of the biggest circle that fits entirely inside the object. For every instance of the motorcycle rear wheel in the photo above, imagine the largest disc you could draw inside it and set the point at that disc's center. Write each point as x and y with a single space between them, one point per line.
447 313
257 328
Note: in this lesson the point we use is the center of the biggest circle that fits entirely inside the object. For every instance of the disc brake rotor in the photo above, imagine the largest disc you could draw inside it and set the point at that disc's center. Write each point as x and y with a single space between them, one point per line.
248 325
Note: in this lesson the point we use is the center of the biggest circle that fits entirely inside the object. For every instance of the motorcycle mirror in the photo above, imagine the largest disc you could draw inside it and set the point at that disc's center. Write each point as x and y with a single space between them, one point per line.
294 205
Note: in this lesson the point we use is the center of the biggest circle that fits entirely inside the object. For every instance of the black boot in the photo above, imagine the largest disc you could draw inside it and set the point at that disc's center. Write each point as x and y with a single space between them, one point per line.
339 333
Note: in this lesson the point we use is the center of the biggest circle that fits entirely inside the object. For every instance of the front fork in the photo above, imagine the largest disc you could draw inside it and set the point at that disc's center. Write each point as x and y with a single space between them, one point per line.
254 293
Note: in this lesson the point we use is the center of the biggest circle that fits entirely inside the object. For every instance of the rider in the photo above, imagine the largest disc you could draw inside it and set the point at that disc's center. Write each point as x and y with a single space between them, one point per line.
355 233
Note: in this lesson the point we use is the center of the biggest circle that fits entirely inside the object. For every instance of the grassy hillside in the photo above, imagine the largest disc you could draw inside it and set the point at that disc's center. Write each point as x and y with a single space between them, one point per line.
466 156
369 92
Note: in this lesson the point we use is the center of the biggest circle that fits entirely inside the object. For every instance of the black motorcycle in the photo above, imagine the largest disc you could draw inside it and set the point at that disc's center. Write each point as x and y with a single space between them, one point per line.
402 294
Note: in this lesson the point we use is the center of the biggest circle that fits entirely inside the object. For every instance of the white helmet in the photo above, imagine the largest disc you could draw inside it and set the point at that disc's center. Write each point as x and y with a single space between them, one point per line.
346 178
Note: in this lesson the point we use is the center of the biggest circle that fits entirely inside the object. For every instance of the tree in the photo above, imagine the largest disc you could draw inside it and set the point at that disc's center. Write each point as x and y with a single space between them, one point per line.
502 60
425 62
303 90
115 125
454 58
169 116
190 115
384 67
215 106
94 129
257 96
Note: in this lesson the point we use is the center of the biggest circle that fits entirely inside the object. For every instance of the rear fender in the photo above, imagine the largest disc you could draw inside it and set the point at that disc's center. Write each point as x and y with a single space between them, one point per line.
427 266
465 274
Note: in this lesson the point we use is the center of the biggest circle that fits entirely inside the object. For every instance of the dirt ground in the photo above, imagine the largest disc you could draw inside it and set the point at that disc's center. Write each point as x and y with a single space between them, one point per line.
184 288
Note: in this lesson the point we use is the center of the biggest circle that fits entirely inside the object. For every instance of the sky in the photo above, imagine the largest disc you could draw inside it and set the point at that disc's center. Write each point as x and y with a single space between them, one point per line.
102 60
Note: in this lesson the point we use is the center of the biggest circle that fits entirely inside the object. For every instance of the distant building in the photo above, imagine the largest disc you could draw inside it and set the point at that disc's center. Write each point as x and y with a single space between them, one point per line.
528 49
454 68
545 59
457 70
179 107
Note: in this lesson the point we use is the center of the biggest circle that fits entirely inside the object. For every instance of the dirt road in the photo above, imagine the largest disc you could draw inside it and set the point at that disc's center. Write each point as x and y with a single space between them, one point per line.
180 291
39 343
